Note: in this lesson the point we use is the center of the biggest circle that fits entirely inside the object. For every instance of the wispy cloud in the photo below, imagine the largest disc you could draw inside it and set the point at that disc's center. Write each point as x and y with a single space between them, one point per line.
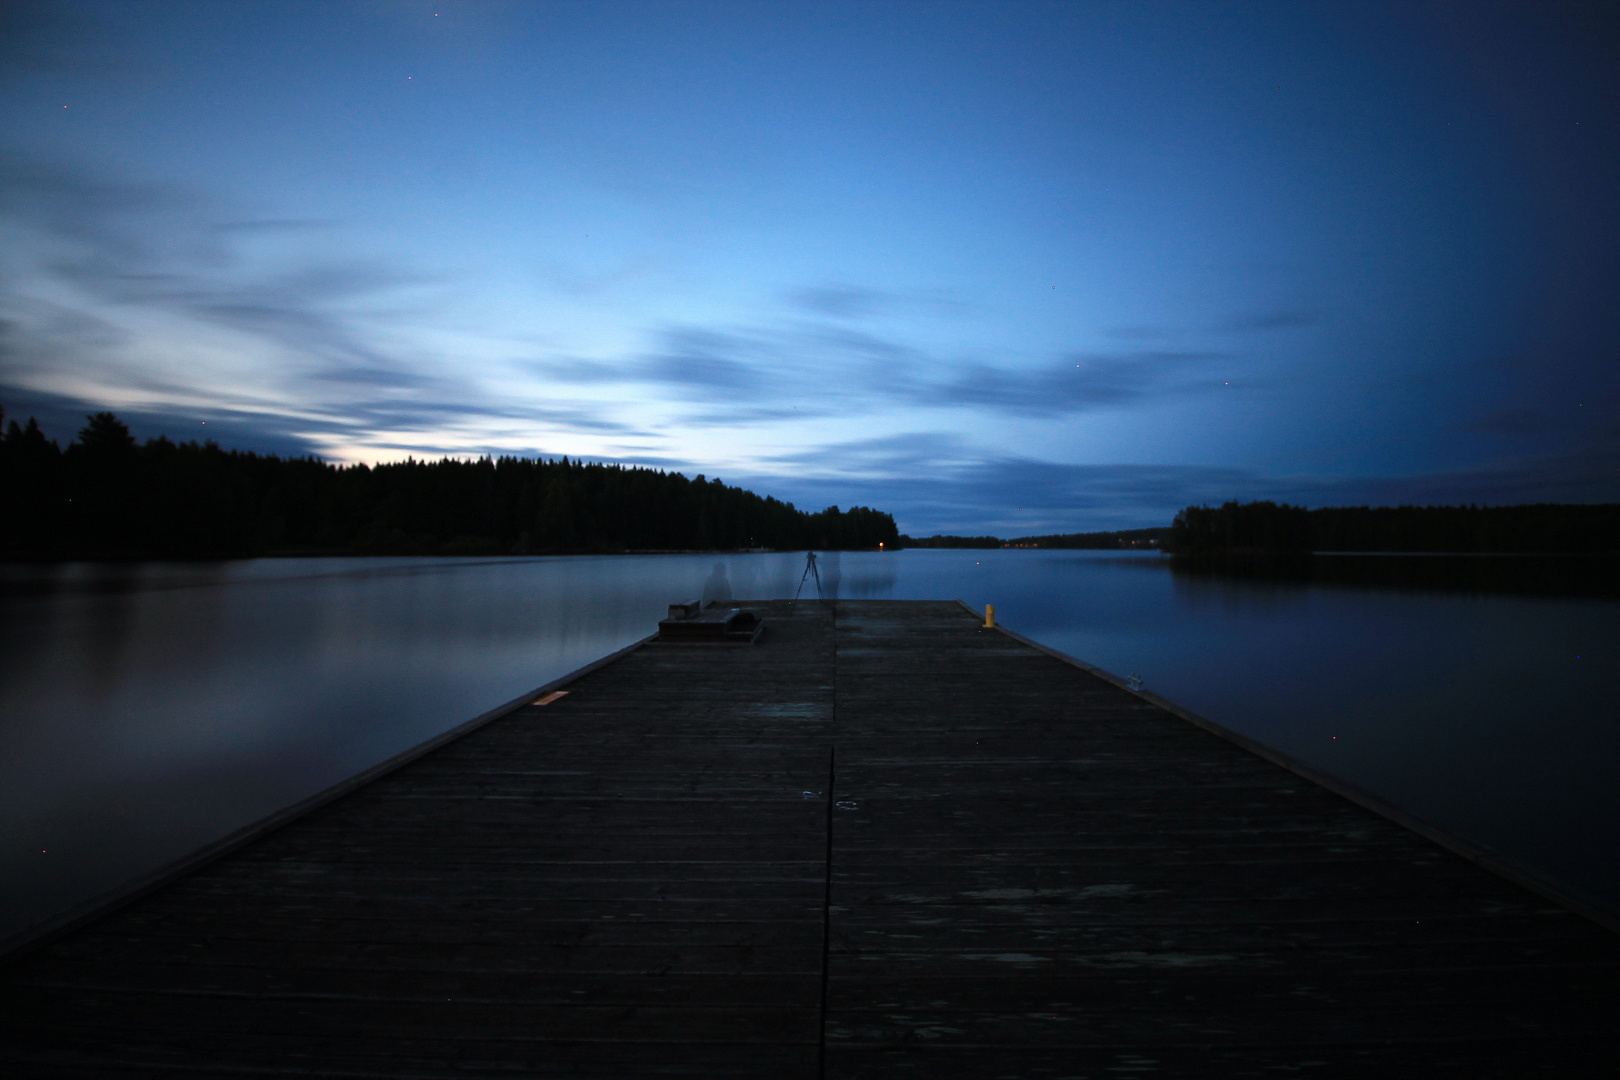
274 226
575 369
893 456
751 416
701 363
1081 383
1139 333
100 256
822 369
936 482
1273 320
846 302
133 245
840 301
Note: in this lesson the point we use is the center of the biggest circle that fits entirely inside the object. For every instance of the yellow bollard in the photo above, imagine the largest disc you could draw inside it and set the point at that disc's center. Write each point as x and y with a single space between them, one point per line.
989 616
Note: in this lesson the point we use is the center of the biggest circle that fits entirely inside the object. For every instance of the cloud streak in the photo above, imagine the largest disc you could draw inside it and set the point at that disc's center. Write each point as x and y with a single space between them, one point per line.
1275 320
840 302
1083 383
100 256
153 246
934 482
838 369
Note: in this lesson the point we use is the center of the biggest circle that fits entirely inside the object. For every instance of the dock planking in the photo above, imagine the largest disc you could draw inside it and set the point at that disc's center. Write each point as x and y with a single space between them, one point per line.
881 841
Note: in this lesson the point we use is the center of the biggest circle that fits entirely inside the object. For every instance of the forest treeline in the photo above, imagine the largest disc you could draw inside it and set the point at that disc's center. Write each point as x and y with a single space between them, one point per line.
1572 528
938 541
1118 538
107 496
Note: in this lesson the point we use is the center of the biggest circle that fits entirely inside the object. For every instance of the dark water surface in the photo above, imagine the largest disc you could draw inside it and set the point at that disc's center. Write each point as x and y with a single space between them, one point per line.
148 708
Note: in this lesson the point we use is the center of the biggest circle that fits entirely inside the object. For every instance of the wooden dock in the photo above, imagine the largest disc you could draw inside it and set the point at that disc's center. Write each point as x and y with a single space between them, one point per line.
882 841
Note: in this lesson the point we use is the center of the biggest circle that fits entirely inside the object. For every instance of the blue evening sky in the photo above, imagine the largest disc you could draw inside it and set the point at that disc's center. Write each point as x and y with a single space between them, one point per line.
997 268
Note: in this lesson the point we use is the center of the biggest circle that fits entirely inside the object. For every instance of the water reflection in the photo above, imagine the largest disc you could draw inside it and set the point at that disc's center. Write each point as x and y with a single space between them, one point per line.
718 587
832 573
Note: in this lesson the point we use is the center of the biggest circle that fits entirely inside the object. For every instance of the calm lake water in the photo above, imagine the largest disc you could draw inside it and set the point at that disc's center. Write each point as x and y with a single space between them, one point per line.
146 709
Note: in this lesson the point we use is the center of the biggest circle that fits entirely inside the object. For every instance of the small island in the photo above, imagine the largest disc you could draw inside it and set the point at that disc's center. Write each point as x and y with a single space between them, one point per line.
1533 528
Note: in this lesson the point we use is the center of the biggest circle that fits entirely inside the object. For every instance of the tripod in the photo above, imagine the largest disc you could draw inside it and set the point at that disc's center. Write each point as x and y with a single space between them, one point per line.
809 569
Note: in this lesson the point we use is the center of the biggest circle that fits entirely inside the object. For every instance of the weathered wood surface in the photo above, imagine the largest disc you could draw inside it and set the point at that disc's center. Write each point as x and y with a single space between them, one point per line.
882 841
